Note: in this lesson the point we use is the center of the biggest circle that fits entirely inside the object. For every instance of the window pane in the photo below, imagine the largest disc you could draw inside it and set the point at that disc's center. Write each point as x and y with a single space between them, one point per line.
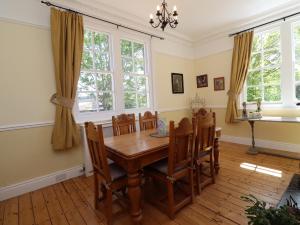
297 52
127 65
86 82
105 101
254 78
272 93
298 91
271 76
88 36
129 83
271 58
104 82
130 100
255 61
87 60
101 42
142 100
126 48
139 66
256 45
271 40
297 72
253 94
102 61
297 33
87 102
138 50
142 84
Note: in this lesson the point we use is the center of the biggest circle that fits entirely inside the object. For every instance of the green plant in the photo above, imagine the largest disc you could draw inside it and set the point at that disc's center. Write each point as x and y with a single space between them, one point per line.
259 214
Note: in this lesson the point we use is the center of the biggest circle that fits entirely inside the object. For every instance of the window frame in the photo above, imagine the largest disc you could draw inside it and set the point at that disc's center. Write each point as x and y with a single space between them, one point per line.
293 25
115 37
287 67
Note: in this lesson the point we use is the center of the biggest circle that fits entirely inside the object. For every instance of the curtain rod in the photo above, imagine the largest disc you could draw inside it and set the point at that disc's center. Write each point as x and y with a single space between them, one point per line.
47 3
264 24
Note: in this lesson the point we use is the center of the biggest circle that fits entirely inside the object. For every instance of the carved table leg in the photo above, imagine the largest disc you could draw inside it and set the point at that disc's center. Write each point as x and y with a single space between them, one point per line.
216 155
252 150
134 192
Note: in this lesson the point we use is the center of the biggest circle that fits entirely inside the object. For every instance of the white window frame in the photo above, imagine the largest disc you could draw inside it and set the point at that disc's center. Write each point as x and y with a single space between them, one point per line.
115 37
293 25
288 99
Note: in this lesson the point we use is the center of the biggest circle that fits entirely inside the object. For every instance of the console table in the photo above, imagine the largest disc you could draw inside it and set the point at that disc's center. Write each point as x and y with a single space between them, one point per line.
253 149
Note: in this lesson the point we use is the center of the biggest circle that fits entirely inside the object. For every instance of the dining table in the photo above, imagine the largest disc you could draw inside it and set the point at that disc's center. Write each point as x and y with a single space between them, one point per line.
136 150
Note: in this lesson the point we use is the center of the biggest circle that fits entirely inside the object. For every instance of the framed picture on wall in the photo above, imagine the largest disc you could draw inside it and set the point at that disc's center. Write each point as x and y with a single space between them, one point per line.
177 83
219 84
202 81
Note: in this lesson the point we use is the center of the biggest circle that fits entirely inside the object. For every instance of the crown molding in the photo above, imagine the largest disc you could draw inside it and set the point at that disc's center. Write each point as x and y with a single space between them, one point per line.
275 13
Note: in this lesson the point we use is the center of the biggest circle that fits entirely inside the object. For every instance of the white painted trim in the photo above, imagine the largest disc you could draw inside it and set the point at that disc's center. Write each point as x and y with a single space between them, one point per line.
20 126
24 23
39 182
276 145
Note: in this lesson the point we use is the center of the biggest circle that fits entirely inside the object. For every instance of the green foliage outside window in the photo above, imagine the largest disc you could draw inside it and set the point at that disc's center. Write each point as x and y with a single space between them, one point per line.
296 32
263 80
95 85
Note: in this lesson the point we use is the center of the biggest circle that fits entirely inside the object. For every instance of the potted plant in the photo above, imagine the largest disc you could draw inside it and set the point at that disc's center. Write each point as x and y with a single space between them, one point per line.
259 214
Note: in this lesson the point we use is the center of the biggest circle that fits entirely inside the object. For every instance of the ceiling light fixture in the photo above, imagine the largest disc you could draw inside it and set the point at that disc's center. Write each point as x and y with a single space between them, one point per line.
164 17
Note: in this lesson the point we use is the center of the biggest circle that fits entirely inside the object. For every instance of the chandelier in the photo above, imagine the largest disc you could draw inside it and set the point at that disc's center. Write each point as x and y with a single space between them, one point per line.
164 17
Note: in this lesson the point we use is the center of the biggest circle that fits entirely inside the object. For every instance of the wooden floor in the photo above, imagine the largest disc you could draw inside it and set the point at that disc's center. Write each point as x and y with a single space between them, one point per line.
71 202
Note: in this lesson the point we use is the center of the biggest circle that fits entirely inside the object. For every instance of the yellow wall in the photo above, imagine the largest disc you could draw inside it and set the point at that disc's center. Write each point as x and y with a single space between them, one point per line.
26 84
219 65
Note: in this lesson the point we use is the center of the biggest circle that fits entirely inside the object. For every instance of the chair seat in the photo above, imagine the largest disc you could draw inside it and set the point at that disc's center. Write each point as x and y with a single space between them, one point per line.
116 172
162 167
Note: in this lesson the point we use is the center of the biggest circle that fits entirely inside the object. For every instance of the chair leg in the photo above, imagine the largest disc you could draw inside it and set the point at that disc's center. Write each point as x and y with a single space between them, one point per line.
96 192
191 175
198 179
108 206
171 201
212 168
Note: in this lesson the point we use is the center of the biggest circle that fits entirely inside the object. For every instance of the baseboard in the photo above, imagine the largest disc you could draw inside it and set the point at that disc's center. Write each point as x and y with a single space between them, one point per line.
276 145
39 182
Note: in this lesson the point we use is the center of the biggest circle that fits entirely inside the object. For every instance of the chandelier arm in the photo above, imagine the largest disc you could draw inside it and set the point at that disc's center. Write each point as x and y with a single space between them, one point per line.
155 25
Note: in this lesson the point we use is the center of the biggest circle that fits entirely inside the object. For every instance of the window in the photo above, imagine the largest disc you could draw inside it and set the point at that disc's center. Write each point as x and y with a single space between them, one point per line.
135 78
296 59
95 85
264 75
115 76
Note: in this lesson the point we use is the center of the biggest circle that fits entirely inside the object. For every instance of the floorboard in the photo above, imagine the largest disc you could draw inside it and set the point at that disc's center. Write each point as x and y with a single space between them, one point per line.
72 202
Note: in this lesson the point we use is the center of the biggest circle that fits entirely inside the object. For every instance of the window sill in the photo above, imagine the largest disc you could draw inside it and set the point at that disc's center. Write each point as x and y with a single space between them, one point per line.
272 107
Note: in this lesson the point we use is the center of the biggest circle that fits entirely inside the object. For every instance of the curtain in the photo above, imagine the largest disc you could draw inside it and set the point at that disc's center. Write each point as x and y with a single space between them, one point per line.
67 44
239 69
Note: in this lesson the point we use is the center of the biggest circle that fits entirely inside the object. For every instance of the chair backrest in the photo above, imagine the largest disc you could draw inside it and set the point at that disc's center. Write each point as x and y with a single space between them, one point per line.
206 128
123 124
181 146
94 135
201 111
148 120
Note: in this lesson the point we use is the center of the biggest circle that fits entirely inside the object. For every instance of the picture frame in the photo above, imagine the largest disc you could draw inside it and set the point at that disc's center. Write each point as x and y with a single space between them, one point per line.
202 81
177 83
219 84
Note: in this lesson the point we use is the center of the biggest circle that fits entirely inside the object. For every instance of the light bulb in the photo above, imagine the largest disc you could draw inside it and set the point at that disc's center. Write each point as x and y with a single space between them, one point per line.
176 17
151 16
158 8
175 8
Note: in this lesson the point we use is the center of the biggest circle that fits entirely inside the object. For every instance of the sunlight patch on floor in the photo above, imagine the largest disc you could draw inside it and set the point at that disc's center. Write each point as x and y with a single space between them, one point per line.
261 169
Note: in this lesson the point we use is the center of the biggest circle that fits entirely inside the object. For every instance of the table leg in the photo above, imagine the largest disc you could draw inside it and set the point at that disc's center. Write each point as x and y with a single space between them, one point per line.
216 155
252 150
134 192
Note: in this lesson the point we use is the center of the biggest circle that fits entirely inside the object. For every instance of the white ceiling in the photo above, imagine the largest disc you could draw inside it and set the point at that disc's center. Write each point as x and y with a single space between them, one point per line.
197 18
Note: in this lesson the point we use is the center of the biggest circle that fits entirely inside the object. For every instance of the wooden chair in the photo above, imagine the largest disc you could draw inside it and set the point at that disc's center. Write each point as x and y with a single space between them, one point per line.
204 146
177 167
148 120
111 177
123 124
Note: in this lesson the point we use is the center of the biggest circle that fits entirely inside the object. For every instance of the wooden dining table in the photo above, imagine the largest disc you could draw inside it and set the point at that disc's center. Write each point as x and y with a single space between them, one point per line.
135 151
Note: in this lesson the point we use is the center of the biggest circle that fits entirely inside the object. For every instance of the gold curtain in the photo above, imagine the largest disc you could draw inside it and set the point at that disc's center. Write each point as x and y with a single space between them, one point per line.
239 69
67 44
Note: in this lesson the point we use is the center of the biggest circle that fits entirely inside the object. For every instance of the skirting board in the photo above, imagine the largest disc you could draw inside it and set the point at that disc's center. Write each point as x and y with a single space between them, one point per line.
39 182
276 145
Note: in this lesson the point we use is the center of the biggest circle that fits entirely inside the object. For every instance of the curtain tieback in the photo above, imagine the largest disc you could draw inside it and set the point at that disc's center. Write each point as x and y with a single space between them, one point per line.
62 101
232 94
